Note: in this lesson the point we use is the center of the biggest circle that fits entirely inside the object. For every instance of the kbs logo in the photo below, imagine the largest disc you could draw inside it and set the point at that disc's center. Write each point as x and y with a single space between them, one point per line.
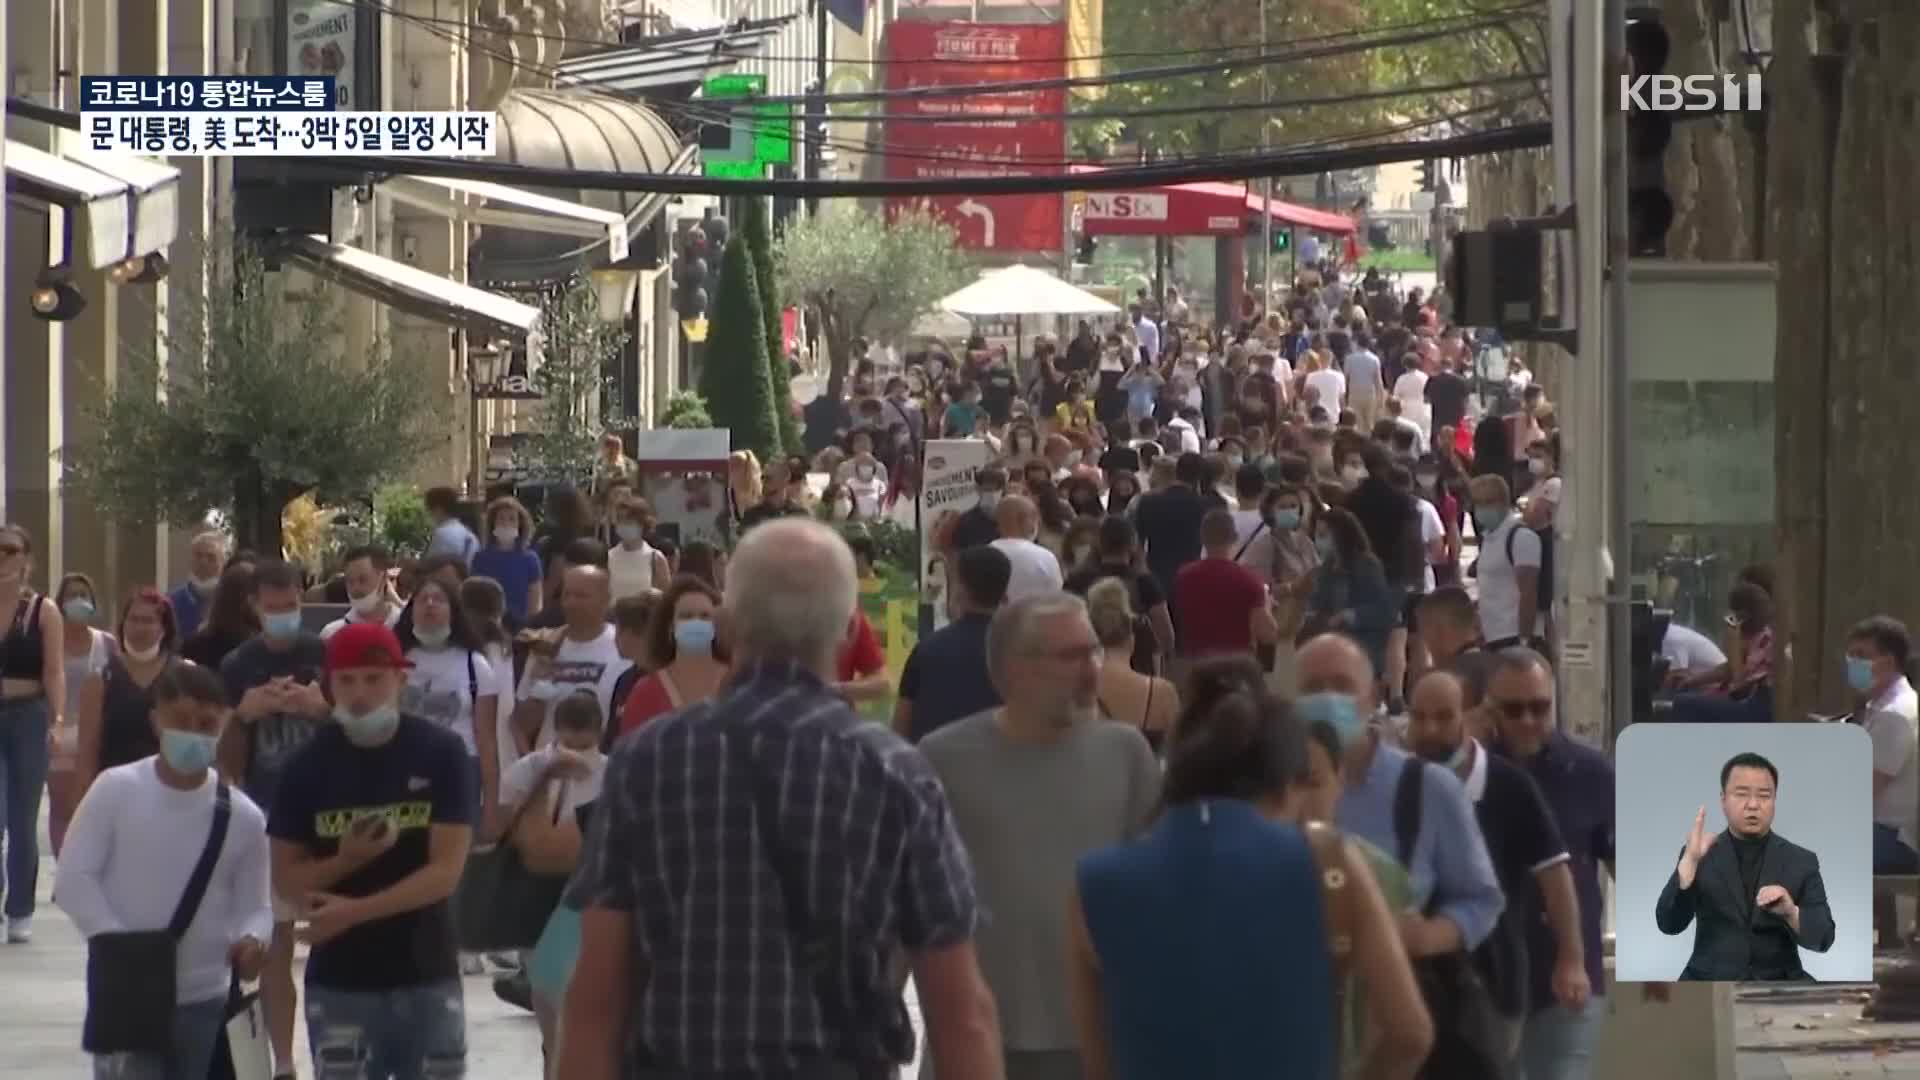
1693 93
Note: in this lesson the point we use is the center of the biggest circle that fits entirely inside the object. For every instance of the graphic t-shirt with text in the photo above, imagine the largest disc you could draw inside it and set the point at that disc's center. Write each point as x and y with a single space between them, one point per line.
273 739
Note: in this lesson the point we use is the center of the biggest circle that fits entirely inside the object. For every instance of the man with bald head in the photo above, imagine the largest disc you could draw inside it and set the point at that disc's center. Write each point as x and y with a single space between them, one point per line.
1035 569
736 835
1529 855
582 654
1457 894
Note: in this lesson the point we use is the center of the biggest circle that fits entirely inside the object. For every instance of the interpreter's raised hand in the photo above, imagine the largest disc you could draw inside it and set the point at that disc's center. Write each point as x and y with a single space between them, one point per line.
1699 841
1775 898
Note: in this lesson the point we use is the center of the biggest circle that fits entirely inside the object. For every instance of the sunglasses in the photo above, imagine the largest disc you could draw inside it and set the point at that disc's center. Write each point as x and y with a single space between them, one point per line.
1520 710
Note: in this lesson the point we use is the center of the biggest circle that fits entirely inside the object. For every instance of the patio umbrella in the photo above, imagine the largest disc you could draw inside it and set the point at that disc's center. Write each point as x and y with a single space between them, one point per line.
1020 291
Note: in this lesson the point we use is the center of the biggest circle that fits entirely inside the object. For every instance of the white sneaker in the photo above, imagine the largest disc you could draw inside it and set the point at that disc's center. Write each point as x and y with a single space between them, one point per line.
19 931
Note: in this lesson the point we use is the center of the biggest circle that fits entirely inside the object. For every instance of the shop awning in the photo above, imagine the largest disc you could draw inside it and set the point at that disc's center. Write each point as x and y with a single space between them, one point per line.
500 204
418 292
665 62
124 206
1197 209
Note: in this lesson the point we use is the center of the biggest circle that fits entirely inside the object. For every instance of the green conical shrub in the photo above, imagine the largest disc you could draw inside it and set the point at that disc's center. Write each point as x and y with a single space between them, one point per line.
759 237
733 376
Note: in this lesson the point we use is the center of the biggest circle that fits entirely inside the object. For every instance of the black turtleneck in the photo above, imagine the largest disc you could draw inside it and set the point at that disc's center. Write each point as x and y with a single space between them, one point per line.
1747 852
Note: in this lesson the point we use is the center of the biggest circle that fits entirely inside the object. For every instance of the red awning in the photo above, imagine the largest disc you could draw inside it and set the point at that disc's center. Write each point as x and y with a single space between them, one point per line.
1198 209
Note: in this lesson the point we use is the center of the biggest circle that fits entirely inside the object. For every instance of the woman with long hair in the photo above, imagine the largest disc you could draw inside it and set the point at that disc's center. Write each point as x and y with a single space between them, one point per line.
452 682
506 555
116 706
1080 545
230 620
1221 941
33 676
1147 702
1350 593
689 661
87 650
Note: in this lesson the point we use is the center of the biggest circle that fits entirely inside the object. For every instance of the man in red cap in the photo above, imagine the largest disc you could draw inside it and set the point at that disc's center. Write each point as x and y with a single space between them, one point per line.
370 829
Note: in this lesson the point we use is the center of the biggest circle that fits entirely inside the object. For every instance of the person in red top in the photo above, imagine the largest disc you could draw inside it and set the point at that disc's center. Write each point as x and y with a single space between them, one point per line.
1221 606
863 664
680 640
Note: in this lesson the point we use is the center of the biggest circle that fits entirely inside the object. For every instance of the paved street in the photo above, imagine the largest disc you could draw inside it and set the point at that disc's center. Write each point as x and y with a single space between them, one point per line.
1816 1033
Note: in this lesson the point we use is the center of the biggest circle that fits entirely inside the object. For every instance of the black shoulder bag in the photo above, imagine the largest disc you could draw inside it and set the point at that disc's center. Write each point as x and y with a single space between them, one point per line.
819 949
131 988
1470 1037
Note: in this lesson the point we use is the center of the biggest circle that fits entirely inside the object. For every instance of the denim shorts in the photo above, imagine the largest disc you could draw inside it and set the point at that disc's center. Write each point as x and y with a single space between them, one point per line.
409 1033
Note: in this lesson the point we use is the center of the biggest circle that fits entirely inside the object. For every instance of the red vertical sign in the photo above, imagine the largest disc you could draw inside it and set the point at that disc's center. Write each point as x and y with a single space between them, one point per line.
990 136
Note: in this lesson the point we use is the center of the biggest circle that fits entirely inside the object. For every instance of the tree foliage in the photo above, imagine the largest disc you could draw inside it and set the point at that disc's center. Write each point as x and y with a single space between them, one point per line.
578 401
686 409
243 403
859 274
733 376
758 234
1333 67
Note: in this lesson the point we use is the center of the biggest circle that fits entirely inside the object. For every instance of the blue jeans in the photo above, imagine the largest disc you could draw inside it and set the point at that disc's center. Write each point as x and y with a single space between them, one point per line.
1890 856
1557 1043
1694 708
196 1031
412 1033
23 780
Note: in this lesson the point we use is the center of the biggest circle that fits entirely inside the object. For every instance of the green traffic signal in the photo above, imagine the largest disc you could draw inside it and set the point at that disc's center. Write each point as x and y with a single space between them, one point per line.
1282 241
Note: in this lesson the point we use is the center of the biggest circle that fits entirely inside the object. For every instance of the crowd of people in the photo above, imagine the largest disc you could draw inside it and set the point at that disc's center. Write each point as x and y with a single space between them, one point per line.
1237 745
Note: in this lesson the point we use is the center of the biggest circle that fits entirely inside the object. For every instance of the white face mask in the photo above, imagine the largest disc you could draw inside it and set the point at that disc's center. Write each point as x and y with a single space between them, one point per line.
1353 475
1537 466
506 534
368 604
141 656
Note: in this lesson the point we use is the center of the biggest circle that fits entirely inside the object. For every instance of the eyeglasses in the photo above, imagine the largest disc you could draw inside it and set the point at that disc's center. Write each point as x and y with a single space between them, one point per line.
1520 710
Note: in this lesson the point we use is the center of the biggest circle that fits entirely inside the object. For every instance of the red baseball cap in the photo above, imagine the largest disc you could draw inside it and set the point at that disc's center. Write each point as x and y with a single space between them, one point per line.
365 645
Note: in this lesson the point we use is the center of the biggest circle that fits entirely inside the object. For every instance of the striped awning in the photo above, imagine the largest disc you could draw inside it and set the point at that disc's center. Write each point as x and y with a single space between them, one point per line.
672 61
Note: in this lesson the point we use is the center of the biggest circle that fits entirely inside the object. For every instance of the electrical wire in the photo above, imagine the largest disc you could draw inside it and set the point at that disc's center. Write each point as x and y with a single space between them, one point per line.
1524 9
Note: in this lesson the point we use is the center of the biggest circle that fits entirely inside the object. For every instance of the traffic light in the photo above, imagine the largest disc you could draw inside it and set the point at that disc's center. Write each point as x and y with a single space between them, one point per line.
1083 249
1650 626
1649 206
1282 241
1426 175
718 234
692 262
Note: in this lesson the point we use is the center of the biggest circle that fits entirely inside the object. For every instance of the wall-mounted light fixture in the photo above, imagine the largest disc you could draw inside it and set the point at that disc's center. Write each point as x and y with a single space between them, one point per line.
54 297
140 270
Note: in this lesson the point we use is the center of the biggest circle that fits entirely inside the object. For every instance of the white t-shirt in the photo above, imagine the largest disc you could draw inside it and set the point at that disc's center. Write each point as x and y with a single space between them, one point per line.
442 688
1411 387
1332 386
1245 523
1431 529
132 845
1892 721
630 572
867 494
1500 588
516 784
1035 569
594 665
1687 649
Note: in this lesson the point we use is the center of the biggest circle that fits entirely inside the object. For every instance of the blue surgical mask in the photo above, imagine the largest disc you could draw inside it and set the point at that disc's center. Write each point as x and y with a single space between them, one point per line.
368 729
1338 711
187 751
1860 674
79 609
281 625
1489 518
693 635
1286 519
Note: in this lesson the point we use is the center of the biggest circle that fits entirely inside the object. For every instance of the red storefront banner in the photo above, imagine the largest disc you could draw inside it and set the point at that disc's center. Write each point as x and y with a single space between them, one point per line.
994 140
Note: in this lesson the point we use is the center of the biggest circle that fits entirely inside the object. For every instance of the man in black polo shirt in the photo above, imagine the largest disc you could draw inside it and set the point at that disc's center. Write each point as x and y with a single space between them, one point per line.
945 678
1169 520
979 527
1529 856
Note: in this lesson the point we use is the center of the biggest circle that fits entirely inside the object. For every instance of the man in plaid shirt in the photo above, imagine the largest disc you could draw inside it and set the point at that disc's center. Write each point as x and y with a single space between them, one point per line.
760 867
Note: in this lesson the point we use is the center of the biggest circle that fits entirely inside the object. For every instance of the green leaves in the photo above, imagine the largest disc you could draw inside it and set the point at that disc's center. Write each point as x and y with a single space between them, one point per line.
733 373
756 231
578 402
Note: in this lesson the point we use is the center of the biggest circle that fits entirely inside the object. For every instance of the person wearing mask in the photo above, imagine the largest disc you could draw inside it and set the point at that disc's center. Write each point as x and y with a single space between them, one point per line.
791 593
370 827
864 479
368 594
191 597
451 682
1508 569
1146 332
963 415
945 677
633 565
1744 693
1122 489
1528 854
1283 556
508 559
116 706
1035 569
1878 651
1119 557
1578 782
580 653
1221 982
86 650
1350 591
1222 607
230 620
776 499
689 662
163 843
1080 546
1169 520
1366 380
450 535
1249 490
1035 784
274 682
611 466
1145 702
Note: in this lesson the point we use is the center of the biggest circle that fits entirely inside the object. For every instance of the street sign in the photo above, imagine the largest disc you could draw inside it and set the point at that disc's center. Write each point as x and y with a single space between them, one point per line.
752 136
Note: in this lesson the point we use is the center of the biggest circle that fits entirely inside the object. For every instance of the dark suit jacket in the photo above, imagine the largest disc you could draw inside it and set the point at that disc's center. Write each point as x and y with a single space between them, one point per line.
1738 941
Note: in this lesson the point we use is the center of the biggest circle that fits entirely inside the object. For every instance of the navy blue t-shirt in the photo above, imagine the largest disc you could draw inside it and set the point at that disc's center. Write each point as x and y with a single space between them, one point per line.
946 676
274 739
516 569
417 779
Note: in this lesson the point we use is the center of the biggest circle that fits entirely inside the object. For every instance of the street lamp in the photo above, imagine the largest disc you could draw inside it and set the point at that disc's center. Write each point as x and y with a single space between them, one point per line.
615 288
54 297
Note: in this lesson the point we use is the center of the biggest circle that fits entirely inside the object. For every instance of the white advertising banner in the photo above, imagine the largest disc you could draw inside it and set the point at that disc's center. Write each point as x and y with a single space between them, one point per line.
321 35
946 492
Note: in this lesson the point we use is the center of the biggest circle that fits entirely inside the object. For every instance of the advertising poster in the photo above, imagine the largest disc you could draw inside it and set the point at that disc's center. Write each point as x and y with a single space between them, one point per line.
683 476
982 134
946 493
320 41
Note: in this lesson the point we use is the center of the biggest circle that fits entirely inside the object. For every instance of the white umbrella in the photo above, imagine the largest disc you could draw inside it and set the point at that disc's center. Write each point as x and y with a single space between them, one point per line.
1023 290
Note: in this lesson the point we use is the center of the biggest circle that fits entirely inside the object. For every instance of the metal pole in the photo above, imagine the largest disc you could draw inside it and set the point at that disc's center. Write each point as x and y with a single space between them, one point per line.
1266 207
1620 384
816 135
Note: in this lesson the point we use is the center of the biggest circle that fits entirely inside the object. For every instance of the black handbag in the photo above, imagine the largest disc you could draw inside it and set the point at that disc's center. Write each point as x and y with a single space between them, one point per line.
1470 1036
131 992
501 905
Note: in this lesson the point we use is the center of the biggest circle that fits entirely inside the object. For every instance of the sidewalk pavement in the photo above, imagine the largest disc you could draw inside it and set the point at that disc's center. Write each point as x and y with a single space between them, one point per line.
1815 1033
